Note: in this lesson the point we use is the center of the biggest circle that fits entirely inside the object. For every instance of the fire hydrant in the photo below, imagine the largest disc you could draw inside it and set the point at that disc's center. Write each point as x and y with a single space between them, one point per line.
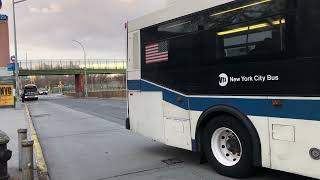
5 155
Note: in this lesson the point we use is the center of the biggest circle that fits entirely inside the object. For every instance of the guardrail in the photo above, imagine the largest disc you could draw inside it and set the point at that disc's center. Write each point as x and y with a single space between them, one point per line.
72 64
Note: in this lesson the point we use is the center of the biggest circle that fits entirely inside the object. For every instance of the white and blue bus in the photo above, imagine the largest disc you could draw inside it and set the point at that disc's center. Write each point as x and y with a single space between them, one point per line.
236 80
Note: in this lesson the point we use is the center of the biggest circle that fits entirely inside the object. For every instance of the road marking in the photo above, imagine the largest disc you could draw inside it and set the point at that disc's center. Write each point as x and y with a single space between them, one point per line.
41 164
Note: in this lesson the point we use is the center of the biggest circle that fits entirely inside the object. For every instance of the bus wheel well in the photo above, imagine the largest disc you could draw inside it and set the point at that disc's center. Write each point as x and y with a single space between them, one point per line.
220 110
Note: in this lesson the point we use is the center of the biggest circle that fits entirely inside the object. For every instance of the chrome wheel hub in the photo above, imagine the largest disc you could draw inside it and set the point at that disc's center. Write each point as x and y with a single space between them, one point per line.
226 146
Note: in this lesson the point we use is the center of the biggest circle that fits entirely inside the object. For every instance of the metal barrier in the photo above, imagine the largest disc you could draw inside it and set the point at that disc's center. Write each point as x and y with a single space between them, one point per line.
62 64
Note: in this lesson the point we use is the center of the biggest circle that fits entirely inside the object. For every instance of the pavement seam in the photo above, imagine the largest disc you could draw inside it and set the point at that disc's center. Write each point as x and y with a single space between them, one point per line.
82 133
41 164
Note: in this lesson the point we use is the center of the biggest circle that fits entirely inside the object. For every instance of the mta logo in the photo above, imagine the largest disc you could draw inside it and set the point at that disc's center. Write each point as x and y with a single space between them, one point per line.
223 80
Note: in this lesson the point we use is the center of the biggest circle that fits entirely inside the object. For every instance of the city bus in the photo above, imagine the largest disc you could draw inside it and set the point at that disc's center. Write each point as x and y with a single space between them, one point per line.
237 81
30 92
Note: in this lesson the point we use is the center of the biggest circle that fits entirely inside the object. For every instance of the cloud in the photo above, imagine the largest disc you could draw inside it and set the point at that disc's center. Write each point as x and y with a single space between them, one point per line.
127 1
46 28
51 8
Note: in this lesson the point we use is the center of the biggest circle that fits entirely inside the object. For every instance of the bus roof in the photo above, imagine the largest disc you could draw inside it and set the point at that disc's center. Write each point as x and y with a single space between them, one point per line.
176 10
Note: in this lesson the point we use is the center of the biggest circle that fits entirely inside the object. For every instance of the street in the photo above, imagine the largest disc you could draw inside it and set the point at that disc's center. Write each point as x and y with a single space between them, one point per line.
111 110
85 139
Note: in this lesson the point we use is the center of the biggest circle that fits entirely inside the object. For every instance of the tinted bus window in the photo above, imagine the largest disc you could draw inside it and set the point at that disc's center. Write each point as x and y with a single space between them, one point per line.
30 89
172 29
308 28
262 38
180 27
243 10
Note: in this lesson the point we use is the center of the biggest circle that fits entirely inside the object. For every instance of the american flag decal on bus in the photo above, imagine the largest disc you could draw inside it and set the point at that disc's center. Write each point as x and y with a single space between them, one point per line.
157 52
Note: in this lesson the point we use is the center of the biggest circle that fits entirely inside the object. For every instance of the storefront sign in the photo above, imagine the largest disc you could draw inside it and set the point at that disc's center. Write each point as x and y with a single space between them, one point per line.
6 95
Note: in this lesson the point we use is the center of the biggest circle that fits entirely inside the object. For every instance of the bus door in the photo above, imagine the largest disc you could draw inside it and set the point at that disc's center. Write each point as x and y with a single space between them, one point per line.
177 122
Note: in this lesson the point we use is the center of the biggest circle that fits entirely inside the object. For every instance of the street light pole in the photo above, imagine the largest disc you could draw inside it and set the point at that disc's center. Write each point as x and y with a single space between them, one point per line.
17 94
85 67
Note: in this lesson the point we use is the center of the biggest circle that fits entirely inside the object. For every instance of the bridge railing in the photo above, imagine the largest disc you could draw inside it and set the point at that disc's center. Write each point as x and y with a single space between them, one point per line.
72 64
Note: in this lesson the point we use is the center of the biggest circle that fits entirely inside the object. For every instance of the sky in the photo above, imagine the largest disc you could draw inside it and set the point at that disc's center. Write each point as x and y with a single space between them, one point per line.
46 28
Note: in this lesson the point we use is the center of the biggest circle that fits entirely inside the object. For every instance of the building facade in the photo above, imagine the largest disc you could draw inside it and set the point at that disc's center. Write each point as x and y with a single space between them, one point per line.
4 41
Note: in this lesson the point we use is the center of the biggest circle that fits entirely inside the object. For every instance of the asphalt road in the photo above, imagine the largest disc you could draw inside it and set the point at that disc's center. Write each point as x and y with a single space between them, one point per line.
85 139
111 109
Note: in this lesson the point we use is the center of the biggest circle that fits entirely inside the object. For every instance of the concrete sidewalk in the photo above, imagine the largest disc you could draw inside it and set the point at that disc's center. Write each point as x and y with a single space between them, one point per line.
81 145
11 120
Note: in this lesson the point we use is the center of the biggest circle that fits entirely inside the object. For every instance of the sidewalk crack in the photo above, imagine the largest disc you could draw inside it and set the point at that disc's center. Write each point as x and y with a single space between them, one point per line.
136 172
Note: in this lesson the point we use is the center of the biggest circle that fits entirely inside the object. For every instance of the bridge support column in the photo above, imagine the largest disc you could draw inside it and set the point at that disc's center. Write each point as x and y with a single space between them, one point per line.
79 85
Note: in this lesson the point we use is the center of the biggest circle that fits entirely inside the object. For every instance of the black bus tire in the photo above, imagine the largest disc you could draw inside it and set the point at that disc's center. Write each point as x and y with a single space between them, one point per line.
220 161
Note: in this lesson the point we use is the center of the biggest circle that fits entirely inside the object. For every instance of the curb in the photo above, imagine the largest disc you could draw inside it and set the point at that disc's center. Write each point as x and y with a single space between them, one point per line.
40 161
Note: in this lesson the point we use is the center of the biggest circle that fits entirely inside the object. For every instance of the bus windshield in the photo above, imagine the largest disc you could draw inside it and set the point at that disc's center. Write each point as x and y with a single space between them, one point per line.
30 89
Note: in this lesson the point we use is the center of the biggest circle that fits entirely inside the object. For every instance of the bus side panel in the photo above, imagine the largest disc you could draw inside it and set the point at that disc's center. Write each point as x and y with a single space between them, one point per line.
146 114
261 125
177 126
194 118
291 141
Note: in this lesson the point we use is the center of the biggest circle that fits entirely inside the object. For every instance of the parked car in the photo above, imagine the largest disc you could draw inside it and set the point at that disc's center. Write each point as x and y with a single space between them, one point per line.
43 92
30 92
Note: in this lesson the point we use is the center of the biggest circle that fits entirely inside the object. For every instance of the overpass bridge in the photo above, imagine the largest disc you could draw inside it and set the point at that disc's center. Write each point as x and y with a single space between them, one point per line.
71 67
76 67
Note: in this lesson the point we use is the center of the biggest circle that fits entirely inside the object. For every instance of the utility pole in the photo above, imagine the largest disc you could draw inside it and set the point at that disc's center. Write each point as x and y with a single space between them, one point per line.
16 52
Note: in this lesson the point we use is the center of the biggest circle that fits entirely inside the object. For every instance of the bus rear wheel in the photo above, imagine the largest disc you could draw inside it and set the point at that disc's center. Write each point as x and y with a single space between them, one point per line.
228 147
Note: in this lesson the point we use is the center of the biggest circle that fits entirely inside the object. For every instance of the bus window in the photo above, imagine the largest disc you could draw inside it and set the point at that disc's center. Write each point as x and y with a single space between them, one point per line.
243 10
171 29
308 28
30 88
259 39
180 27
